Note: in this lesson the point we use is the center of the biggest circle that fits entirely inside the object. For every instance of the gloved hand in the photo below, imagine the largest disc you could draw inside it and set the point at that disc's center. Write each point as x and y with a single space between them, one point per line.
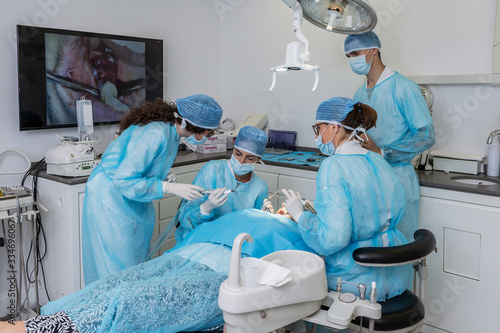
216 199
293 205
187 191
268 205
171 178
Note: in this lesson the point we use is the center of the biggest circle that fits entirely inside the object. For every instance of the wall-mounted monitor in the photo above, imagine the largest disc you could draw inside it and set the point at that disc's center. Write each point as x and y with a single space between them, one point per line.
58 67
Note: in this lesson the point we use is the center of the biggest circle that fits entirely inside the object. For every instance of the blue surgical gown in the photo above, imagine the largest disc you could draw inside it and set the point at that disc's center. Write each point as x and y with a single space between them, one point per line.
359 201
213 175
179 290
118 215
404 130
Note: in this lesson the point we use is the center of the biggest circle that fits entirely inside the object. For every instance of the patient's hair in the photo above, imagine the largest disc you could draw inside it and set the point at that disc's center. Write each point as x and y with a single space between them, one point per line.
159 110
362 115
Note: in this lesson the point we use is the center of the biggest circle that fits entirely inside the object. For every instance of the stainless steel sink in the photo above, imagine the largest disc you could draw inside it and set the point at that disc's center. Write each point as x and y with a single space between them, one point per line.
476 180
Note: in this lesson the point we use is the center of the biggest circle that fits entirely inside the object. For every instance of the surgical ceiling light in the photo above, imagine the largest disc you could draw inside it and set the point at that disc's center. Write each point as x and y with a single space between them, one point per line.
341 16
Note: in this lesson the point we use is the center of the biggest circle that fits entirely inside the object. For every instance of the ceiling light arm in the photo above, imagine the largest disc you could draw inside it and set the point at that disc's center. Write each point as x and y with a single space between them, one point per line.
298 15
297 53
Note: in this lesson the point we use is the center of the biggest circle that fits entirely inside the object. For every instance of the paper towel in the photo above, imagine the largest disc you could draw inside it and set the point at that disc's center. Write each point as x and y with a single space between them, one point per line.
271 274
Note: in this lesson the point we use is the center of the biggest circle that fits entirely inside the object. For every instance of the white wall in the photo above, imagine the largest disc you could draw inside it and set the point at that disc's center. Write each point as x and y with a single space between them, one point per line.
190 31
418 38
225 48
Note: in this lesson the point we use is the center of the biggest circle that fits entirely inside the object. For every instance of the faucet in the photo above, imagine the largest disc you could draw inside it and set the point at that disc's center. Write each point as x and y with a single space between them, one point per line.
492 136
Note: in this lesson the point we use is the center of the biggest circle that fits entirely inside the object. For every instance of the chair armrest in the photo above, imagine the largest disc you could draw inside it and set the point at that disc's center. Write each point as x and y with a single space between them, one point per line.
423 245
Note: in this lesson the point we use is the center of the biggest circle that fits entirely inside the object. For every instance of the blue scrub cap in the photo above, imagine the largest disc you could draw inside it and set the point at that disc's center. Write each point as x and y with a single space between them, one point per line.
252 140
368 40
200 110
334 110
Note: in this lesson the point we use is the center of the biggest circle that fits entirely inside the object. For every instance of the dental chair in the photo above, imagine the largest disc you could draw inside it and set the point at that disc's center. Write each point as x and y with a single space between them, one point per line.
403 313
406 312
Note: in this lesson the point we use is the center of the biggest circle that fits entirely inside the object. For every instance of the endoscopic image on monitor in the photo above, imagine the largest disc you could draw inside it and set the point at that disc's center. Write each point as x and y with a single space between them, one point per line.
109 72
58 67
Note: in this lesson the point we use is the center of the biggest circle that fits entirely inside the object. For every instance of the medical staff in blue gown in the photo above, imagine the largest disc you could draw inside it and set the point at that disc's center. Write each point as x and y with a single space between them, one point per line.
118 215
250 191
175 292
404 125
359 200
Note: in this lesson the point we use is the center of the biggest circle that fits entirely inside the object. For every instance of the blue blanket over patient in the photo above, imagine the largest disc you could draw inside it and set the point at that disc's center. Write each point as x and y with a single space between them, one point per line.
271 233
171 293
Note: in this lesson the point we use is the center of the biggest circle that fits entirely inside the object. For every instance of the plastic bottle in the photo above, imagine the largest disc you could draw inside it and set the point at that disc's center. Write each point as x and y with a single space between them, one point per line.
84 117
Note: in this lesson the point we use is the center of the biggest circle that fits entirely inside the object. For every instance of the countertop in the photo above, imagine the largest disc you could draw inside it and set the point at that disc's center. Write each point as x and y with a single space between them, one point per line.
434 179
184 157
443 180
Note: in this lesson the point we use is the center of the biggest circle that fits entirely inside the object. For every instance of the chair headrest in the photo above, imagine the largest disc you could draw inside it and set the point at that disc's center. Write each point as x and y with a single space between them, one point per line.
424 244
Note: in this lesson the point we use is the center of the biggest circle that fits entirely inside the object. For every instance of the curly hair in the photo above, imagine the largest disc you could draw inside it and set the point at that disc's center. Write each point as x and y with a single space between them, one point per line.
159 110
362 115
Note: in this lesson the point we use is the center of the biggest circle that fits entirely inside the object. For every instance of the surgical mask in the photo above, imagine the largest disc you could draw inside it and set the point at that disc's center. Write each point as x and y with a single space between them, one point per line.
240 169
325 148
359 64
192 140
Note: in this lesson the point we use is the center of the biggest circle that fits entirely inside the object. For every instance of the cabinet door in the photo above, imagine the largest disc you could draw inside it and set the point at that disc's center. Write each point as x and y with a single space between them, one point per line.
461 292
306 186
271 180
62 228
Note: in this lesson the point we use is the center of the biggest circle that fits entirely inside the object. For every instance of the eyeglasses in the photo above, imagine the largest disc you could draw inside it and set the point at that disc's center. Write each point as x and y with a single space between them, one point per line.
210 134
316 128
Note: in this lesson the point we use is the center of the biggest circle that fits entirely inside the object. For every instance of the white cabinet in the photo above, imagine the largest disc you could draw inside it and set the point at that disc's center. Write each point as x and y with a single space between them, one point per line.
62 228
303 181
462 289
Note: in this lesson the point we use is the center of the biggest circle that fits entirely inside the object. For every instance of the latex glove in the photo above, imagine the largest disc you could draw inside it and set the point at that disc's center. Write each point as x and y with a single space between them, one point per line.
268 205
187 191
171 178
293 205
216 199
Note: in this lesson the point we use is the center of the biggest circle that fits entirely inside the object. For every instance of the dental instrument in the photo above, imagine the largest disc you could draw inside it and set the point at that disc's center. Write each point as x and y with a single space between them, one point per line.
208 192
157 243
308 204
